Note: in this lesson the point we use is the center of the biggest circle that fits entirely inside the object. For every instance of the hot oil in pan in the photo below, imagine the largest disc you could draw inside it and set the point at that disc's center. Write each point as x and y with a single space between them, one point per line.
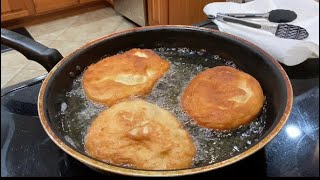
77 112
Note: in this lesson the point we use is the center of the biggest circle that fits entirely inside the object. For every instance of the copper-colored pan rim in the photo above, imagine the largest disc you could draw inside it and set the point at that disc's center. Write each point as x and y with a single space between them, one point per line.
133 172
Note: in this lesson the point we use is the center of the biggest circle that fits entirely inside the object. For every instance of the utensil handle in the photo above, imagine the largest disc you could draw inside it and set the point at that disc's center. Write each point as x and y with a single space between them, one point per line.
237 21
247 15
47 57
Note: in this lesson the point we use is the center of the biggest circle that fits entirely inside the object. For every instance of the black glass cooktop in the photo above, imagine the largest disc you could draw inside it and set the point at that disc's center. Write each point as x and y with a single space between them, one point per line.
26 150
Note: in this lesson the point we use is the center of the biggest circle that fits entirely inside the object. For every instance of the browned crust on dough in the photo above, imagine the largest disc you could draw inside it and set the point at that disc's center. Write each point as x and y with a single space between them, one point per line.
121 76
223 98
142 135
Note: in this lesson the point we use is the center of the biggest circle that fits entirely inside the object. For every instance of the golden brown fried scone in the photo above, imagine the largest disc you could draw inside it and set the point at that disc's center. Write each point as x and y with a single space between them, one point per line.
117 77
140 134
223 98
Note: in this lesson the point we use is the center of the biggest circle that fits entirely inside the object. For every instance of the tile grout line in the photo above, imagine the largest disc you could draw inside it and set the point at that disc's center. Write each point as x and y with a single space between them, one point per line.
19 72
54 39
12 77
33 69
67 28
83 41
64 30
119 24
49 44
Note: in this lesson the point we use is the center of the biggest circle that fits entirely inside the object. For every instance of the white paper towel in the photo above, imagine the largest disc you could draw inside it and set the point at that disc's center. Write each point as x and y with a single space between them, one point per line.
288 51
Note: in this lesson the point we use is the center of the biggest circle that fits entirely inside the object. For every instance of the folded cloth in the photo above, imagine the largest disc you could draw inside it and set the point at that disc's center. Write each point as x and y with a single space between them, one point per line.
288 51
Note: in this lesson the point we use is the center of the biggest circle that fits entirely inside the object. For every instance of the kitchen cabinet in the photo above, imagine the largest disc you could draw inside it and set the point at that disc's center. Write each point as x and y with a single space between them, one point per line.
187 11
50 5
110 1
172 12
24 9
86 1
158 12
11 9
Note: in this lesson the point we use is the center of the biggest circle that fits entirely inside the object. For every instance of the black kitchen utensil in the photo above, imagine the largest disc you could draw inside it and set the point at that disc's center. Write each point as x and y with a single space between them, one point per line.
287 31
277 15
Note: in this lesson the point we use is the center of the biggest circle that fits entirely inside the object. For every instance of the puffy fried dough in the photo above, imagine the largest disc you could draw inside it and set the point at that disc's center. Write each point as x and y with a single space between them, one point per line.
140 134
117 77
223 98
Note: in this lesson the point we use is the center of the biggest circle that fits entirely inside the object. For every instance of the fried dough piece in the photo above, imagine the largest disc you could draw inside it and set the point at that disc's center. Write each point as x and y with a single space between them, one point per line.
223 98
120 76
140 134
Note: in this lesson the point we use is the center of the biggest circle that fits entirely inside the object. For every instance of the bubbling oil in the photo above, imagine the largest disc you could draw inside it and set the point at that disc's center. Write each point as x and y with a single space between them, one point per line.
77 112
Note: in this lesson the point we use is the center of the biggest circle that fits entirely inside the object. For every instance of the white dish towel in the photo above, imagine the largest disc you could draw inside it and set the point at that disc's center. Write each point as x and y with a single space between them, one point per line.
288 51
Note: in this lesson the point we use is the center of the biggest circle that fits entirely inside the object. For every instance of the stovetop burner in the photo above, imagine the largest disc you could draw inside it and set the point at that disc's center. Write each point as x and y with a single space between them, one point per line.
26 150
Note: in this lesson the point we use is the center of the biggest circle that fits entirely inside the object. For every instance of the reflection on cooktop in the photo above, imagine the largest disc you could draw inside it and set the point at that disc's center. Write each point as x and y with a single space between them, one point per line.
295 151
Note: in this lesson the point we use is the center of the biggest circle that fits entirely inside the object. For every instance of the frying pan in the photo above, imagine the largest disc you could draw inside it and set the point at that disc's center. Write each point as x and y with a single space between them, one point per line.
63 71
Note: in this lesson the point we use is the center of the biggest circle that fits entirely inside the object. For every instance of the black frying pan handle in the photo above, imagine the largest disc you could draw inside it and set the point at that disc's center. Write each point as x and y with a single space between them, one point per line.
31 49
